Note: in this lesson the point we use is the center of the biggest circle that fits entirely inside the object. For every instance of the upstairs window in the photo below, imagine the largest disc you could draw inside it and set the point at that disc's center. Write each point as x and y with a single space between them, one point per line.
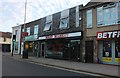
89 18
48 26
36 29
107 15
64 23
28 30
99 16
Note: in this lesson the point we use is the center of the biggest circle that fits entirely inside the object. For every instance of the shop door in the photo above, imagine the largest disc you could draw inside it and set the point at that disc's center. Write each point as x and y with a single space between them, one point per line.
74 50
42 49
89 51
36 52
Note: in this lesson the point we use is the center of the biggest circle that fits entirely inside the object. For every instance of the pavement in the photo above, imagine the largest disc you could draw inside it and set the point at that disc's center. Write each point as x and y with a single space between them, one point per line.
101 69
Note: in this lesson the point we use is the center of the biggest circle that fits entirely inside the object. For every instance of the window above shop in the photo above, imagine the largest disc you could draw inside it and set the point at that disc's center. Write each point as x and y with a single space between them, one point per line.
89 18
36 29
48 26
64 23
107 15
28 30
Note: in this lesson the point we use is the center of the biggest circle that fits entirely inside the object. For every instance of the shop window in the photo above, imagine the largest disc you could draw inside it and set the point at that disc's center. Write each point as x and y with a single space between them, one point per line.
107 52
16 45
64 23
47 26
117 51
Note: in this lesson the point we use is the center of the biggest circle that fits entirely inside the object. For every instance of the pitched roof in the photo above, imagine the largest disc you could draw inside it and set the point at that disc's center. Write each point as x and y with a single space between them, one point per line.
5 34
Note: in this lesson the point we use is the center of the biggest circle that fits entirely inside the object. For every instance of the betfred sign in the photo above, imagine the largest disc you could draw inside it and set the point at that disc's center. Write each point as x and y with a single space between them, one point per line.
107 35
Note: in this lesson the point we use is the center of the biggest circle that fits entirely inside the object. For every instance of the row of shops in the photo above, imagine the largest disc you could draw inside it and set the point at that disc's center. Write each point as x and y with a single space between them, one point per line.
68 46
84 35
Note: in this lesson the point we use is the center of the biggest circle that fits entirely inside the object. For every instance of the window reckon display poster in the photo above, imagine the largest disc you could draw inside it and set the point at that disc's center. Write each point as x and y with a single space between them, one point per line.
107 51
117 51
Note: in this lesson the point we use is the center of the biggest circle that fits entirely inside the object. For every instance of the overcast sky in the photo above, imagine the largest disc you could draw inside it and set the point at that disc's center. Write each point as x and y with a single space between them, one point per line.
12 11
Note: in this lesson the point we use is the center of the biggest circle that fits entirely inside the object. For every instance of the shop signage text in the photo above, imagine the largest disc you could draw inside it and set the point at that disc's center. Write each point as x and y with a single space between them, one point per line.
105 35
57 36
75 34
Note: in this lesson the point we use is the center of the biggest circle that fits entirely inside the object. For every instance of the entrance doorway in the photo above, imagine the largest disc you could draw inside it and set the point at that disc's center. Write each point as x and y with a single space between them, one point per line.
42 49
74 50
36 51
89 51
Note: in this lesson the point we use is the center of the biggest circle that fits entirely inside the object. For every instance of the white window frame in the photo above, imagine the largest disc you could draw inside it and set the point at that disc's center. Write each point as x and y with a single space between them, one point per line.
61 23
46 28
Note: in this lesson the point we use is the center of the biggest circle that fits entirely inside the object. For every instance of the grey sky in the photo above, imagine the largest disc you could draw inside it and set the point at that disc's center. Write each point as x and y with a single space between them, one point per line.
12 11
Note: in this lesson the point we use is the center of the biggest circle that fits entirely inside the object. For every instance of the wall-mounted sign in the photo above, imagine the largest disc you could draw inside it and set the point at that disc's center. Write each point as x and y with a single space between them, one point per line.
31 38
107 35
57 36
76 34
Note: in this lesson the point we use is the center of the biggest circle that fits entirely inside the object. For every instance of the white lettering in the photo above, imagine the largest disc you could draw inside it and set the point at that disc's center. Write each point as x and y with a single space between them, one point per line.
118 36
105 35
99 35
114 34
109 34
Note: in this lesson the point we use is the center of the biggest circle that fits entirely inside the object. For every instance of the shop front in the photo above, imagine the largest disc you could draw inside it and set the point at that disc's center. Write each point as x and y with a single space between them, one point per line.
109 47
32 44
61 46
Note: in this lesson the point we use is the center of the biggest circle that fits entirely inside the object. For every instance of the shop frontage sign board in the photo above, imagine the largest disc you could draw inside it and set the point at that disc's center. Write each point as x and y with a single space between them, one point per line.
66 35
31 38
108 35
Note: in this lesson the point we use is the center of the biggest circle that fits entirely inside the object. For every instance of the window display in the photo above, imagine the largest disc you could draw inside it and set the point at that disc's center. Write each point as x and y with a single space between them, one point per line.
117 51
107 51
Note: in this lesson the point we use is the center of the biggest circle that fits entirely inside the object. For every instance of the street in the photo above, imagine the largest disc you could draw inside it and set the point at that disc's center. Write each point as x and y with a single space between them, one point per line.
12 67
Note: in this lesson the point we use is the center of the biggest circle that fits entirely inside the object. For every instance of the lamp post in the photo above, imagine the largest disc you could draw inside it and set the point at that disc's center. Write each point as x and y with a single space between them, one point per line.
24 27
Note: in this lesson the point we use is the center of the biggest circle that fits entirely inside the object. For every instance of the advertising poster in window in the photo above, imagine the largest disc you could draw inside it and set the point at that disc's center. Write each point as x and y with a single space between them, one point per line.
117 51
107 52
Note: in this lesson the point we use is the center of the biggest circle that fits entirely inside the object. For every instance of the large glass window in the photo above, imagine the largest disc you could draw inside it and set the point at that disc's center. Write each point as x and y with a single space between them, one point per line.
89 18
107 15
99 16
48 26
107 49
64 23
28 30
117 51
36 29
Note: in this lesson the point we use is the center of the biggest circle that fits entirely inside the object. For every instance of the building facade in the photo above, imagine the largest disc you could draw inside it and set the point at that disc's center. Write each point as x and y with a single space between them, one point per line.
31 43
5 41
62 35
16 45
87 34
102 32
58 35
